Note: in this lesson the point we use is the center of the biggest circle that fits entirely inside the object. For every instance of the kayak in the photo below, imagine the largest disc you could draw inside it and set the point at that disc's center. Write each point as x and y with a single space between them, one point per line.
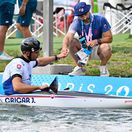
76 92
68 99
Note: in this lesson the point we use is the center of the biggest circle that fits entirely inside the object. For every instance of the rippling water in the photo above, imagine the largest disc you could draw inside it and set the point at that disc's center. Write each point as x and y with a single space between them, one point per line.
14 118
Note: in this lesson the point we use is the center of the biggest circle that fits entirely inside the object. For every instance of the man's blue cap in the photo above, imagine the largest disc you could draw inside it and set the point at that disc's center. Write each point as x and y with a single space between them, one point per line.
81 8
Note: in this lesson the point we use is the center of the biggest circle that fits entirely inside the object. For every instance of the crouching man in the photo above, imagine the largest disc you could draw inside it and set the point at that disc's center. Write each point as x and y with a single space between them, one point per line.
94 40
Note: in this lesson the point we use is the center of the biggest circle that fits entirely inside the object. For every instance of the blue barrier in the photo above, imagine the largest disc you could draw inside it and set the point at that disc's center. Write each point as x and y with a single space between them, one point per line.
1 89
92 84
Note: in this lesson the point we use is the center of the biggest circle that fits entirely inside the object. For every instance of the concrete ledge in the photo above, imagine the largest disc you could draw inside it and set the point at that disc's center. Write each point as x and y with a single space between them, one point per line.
53 69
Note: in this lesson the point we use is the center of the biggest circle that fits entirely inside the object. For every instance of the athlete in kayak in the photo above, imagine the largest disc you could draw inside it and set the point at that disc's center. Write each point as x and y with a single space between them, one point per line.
17 74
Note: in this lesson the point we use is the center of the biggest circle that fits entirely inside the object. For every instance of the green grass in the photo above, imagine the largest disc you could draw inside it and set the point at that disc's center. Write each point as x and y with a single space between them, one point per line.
119 65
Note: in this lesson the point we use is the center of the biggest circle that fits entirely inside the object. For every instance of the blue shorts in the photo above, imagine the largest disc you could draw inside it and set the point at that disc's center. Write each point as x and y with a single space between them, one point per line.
26 19
6 14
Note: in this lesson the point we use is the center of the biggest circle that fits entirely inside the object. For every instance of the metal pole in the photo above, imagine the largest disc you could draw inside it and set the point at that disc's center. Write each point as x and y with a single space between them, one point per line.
48 27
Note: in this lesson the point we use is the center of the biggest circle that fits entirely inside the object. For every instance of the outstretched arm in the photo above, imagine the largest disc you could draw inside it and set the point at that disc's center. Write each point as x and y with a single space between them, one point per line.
42 61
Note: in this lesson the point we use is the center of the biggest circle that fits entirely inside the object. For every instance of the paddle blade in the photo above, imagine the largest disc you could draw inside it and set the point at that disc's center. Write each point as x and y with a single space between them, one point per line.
54 85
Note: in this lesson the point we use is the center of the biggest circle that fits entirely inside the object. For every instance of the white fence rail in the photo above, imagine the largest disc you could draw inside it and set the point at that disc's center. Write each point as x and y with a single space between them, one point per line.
119 19
36 28
124 24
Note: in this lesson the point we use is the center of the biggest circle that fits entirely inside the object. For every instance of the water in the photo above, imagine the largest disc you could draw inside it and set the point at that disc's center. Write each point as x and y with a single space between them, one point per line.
14 118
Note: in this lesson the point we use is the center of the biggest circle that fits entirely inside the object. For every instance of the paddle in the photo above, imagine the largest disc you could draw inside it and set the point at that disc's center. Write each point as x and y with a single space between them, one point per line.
67 88
53 86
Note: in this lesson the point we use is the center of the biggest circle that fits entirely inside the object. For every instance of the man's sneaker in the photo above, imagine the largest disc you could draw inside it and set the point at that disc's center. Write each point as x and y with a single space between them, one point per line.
77 71
104 71
5 56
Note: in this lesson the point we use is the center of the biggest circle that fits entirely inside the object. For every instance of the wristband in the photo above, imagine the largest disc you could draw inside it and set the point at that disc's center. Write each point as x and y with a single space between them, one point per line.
56 58
99 41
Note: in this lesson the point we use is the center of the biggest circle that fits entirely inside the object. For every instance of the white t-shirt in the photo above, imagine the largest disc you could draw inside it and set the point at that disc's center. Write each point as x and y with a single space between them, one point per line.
20 68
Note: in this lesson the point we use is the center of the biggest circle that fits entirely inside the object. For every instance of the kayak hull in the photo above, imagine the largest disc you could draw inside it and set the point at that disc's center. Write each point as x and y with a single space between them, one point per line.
68 99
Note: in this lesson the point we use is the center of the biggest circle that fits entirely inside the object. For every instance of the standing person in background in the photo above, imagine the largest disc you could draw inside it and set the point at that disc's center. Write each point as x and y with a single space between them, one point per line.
94 39
27 7
70 18
6 16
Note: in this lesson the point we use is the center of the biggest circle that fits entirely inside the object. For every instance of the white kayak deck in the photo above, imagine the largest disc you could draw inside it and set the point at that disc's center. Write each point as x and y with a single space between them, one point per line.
68 99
